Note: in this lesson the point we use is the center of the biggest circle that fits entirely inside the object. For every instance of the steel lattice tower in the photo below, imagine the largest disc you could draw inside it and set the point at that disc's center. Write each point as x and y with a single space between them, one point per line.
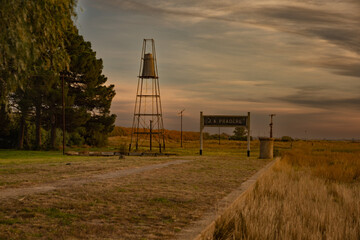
148 125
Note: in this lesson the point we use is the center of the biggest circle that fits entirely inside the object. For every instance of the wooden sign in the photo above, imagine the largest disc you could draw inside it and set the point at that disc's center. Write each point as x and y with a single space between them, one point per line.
224 121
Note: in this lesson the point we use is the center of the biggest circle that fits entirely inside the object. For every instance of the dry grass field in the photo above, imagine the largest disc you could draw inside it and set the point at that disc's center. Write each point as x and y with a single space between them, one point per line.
154 204
312 193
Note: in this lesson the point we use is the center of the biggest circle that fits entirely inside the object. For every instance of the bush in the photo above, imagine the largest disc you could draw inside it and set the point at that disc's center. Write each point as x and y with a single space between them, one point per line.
287 139
75 139
97 139
243 138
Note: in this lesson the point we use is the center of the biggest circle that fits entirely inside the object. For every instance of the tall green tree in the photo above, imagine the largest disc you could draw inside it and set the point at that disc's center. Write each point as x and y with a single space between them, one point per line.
240 133
32 41
38 40
30 32
87 86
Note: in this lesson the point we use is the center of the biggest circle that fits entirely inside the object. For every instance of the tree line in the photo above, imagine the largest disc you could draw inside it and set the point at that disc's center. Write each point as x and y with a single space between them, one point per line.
40 45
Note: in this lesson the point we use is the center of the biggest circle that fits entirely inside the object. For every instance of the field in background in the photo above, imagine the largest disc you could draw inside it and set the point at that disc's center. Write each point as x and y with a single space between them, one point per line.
211 147
312 193
170 135
120 139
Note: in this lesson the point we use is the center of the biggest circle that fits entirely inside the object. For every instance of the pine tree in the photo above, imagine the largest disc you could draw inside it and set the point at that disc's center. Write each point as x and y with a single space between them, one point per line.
89 92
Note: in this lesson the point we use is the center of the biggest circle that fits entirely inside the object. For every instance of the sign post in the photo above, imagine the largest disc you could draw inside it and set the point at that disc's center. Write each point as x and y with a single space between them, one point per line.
201 131
248 134
224 121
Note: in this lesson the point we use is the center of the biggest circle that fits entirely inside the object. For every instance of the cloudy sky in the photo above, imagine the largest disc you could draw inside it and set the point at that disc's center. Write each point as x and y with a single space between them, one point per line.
297 59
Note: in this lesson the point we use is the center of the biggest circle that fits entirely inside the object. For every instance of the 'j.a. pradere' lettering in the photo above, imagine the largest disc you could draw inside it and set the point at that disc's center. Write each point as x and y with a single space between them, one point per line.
225 120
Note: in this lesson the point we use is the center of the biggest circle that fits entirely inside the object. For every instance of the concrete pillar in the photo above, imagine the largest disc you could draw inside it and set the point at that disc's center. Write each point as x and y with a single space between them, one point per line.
266 148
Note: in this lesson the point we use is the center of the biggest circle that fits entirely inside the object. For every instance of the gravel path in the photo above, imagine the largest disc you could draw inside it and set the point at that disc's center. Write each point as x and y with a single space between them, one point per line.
19 192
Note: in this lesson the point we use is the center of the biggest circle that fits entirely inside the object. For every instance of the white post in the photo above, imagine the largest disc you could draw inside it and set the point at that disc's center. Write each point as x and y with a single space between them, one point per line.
248 134
201 132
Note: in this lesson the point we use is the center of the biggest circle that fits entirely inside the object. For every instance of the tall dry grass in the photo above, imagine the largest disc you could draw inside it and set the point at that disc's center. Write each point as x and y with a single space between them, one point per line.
341 166
309 194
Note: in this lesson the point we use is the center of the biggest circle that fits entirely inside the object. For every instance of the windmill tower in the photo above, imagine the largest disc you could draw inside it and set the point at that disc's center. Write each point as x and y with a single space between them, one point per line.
148 125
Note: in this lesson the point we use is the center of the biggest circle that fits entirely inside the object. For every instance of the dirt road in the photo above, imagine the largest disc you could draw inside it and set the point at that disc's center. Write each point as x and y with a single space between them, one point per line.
19 192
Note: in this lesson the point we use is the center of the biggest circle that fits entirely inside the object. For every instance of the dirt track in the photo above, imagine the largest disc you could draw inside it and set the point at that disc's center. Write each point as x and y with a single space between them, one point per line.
18 192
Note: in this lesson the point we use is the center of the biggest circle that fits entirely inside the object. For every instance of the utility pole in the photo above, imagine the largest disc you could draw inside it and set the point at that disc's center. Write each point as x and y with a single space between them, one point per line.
219 135
271 124
151 123
181 120
63 110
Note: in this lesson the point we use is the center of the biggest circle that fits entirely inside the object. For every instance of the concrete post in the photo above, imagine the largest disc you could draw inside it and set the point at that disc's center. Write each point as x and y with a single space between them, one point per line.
266 148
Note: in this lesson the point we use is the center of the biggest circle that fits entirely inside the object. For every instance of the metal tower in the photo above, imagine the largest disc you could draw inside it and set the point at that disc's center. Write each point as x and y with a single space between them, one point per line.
148 125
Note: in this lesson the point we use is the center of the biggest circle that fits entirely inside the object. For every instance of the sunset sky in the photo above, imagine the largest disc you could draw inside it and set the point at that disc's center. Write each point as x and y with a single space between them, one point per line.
297 59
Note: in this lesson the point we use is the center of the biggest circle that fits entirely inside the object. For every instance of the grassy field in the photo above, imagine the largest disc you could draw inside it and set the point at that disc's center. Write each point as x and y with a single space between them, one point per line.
154 204
211 147
312 193
190 147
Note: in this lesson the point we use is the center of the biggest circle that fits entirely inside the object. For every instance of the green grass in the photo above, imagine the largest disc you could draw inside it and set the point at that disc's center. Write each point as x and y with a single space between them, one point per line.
30 157
63 217
11 154
9 221
210 148
190 148
160 200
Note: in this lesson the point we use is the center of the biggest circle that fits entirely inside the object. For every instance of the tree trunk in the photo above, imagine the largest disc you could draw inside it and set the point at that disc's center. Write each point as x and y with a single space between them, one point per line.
53 132
22 132
4 120
38 127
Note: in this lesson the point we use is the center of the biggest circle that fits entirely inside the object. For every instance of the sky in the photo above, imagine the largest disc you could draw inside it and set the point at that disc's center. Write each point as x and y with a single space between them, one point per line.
297 59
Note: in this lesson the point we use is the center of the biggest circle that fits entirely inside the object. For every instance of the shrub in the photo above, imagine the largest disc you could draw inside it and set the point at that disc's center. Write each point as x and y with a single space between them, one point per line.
287 139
